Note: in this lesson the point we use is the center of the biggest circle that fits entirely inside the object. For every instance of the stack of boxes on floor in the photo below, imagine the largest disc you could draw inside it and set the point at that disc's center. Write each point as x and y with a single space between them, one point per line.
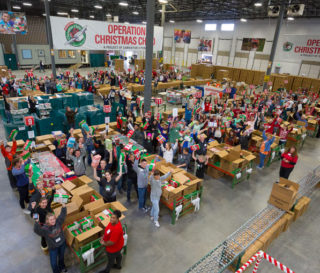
4 73
284 195
87 214
118 65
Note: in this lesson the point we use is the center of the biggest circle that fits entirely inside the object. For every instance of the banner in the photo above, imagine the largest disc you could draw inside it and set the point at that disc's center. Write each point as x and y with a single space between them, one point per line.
205 45
211 90
299 47
181 35
13 22
256 44
98 35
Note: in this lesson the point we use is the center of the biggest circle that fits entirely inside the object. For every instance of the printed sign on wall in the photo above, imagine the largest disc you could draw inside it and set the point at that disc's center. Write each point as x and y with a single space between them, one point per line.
97 35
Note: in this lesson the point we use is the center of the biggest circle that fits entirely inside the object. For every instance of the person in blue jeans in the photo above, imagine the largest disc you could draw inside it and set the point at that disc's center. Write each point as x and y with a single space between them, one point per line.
53 233
156 182
142 174
265 148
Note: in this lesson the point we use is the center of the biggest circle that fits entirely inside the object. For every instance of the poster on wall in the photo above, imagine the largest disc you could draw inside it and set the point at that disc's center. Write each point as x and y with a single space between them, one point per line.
13 22
299 47
205 45
99 35
182 35
256 44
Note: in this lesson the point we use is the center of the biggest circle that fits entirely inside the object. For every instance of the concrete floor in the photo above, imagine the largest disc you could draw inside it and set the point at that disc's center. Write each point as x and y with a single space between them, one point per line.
175 248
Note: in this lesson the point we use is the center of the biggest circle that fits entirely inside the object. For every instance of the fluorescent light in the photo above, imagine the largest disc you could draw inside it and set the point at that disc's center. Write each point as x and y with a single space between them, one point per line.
199 21
258 4
43 14
163 1
127 23
290 18
91 16
243 20
124 4
62 13
144 22
108 15
75 10
16 7
27 4
160 10
75 18
135 13
210 27
227 27
98 6
171 21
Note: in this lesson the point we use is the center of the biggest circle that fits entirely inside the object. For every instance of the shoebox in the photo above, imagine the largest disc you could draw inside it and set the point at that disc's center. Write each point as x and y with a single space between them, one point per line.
84 236
72 208
283 194
20 143
41 139
103 212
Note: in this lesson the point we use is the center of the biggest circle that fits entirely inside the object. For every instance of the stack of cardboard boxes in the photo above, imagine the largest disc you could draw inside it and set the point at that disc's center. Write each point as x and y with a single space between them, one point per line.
88 204
4 73
139 64
118 65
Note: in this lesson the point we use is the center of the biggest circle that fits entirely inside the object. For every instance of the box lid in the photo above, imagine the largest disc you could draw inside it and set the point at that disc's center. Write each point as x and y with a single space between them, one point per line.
85 179
93 205
68 185
83 236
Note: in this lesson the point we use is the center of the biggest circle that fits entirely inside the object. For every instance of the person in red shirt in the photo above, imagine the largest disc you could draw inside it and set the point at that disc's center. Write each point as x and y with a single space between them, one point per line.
289 160
8 154
113 241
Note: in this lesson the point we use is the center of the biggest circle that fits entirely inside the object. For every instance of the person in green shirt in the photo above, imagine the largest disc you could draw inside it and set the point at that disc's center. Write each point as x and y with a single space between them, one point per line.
174 132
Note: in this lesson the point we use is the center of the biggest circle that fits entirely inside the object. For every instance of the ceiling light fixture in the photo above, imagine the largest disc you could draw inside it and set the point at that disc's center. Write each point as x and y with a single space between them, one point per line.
75 10
62 13
243 20
199 21
91 16
75 18
144 22
135 13
127 23
123 4
163 1
108 15
27 4
290 18
258 4
98 6
16 7
171 21
43 14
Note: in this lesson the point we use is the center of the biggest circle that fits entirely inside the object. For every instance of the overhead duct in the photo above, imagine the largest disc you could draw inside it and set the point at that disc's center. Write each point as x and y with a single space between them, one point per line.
295 10
273 11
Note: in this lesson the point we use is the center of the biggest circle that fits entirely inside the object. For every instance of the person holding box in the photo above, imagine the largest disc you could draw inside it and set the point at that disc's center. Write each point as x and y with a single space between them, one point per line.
8 154
156 181
53 233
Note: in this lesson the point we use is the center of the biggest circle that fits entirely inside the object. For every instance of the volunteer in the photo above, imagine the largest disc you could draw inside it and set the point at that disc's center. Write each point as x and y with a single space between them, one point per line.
265 148
289 160
113 241
142 174
8 154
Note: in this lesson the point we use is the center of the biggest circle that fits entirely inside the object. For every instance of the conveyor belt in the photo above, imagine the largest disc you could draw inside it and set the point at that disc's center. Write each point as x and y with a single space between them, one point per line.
228 251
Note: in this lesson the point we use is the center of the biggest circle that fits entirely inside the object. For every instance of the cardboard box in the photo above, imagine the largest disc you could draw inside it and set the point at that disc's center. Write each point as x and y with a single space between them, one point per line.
85 237
193 180
251 250
288 220
170 194
214 172
232 161
85 179
165 167
68 186
181 178
93 205
283 194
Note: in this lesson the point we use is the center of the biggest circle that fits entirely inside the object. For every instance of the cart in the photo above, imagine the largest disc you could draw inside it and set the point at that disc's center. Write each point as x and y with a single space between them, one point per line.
275 154
100 256
238 175
185 202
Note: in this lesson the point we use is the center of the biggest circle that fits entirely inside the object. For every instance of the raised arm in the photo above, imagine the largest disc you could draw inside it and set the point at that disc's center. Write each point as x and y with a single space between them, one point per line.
164 177
96 177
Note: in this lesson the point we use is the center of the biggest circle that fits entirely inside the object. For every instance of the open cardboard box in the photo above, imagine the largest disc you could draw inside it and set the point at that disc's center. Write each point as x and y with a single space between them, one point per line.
153 157
98 211
72 208
85 193
193 184
283 194
165 167
69 186
170 194
85 237
232 161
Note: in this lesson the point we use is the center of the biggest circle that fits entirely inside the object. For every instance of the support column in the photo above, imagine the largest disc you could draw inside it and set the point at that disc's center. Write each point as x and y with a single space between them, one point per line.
275 42
163 15
149 55
14 40
49 35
